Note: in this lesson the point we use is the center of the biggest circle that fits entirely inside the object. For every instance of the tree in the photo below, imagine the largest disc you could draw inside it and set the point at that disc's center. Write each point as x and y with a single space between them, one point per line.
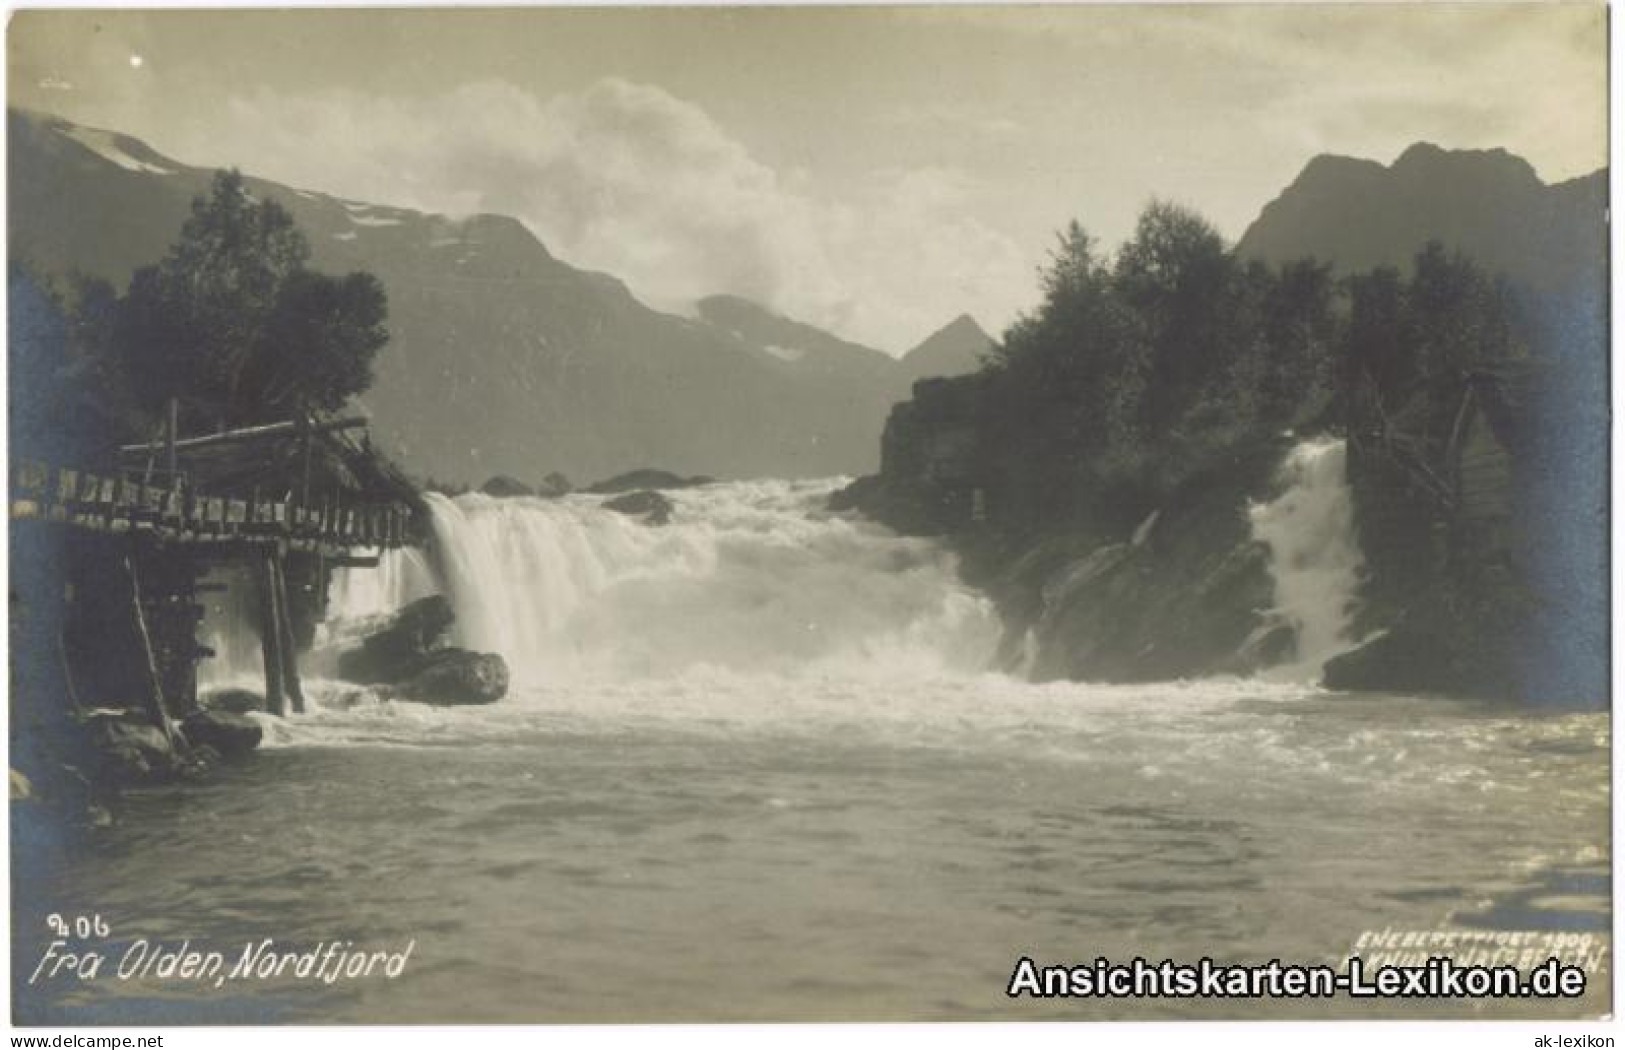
1176 277
233 324
317 346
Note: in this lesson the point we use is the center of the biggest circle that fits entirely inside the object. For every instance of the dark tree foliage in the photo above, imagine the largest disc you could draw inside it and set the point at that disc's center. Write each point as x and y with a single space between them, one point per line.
232 323
1138 370
62 369
1412 346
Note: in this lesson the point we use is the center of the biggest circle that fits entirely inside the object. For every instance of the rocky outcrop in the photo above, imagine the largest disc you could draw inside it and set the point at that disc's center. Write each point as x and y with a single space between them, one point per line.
647 504
1185 593
555 485
454 677
1109 585
932 479
408 657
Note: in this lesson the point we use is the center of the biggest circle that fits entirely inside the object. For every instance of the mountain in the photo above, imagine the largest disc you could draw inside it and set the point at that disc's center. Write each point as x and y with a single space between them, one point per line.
1488 204
953 350
789 340
503 359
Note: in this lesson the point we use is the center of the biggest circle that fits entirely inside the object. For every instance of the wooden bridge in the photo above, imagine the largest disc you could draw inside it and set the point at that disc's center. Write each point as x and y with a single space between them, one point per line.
115 503
289 502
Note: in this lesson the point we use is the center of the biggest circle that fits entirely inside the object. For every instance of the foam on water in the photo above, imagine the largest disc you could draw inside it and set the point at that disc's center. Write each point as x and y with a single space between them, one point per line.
747 577
757 609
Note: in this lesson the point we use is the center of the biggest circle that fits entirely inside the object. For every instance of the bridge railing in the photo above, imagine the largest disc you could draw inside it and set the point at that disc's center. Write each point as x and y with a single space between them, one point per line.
177 511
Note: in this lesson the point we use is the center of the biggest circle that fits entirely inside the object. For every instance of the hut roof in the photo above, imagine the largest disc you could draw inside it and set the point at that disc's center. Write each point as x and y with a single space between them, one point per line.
1507 396
272 464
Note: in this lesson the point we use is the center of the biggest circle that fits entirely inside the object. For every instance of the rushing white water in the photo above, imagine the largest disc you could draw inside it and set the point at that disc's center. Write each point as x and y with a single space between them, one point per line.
401 576
229 629
1315 557
749 577
755 585
763 738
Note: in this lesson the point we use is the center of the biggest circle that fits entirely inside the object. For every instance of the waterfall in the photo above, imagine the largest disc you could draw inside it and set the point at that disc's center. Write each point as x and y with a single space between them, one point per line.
402 575
229 628
758 578
1314 555
747 577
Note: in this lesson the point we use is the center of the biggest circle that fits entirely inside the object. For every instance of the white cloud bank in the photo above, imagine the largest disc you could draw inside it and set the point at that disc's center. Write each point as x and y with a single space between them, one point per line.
628 179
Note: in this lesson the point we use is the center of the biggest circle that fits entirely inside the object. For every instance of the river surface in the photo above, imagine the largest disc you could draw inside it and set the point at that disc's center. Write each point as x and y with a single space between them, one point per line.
752 769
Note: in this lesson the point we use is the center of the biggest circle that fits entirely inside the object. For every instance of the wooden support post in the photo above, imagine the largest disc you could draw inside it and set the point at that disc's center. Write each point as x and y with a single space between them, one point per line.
289 652
304 456
155 689
271 637
173 437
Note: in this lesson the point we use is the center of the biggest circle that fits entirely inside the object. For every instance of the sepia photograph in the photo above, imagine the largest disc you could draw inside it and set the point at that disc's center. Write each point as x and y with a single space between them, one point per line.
693 515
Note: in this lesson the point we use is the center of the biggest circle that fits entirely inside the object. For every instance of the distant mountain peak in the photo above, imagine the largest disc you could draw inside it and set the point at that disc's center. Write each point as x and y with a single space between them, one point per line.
1488 204
1425 158
954 349
1418 151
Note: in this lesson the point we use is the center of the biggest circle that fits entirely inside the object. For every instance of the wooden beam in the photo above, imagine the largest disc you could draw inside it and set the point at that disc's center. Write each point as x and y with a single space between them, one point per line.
271 638
172 438
289 654
155 688
354 561
259 433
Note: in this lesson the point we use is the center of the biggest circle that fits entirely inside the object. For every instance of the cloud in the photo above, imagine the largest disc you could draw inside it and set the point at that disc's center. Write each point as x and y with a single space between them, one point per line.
626 178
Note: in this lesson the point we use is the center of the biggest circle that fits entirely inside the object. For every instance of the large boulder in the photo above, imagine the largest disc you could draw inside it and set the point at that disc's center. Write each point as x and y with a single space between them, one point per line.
456 677
503 487
130 749
231 735
1412 656
651 506
232 700
390 653
646 479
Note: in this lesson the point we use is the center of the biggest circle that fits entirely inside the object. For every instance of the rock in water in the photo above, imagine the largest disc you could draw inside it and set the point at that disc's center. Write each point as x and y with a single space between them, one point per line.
652 506
503 487
554 485
236 701
392 652
1412 659
230 734
132 750
646 479
456 677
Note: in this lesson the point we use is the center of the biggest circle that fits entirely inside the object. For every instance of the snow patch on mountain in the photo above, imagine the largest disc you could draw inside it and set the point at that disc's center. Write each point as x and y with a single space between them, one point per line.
105 145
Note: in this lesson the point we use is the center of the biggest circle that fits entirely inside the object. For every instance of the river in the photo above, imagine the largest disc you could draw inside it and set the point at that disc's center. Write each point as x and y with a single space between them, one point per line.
753 768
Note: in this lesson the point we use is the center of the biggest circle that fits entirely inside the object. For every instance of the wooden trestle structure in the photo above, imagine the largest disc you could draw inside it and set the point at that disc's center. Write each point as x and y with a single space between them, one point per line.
287 501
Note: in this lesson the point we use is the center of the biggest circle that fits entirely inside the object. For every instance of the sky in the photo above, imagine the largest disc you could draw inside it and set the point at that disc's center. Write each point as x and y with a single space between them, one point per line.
874 171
